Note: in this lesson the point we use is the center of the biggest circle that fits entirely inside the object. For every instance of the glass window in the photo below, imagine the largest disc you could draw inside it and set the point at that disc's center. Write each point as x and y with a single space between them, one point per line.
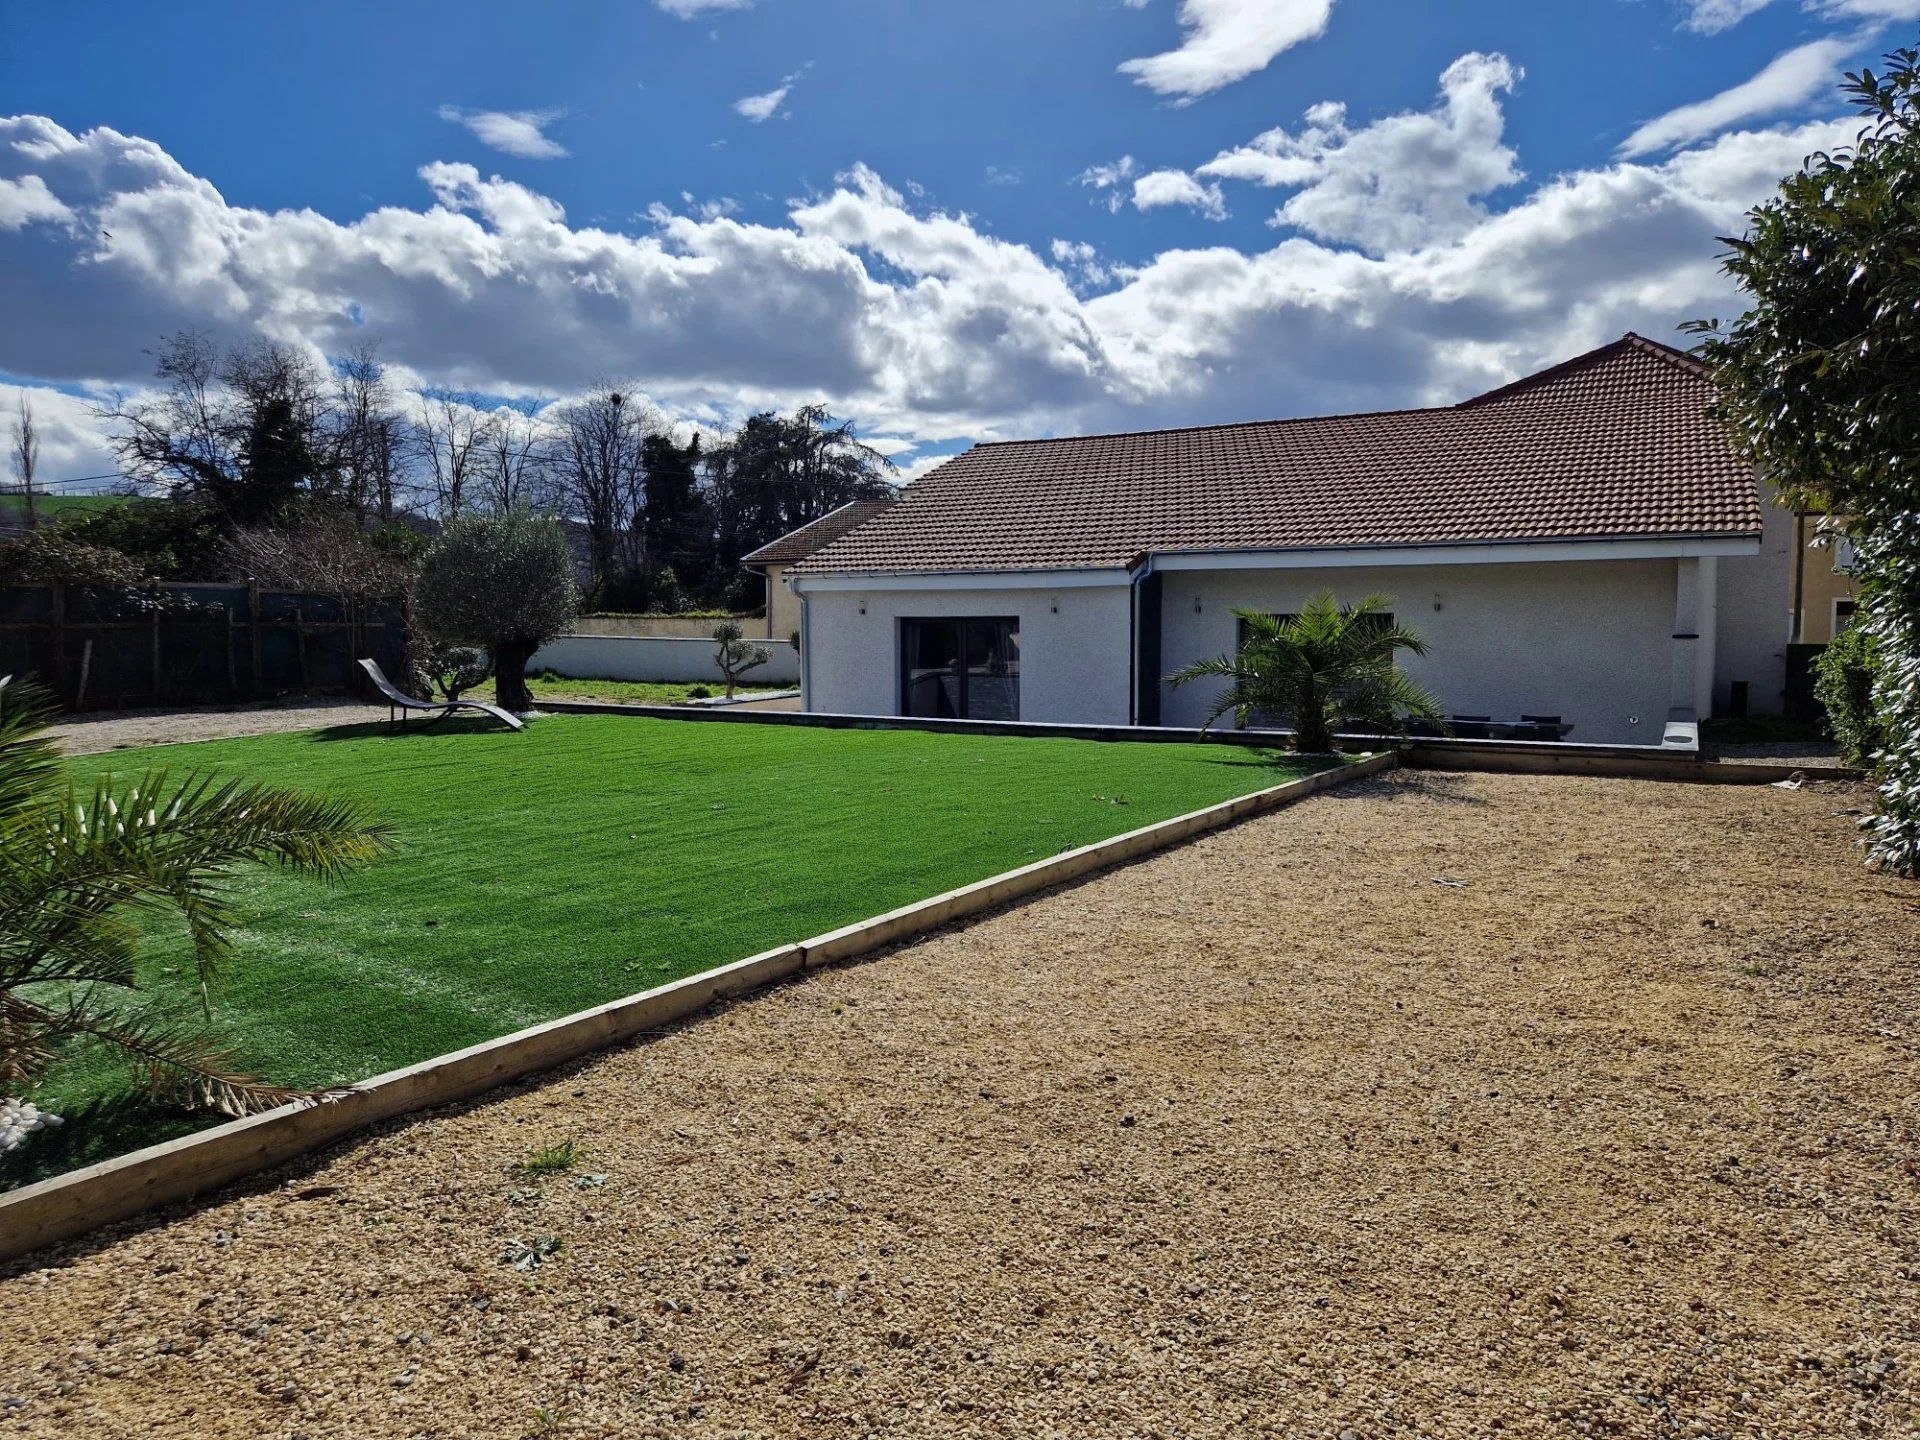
964 669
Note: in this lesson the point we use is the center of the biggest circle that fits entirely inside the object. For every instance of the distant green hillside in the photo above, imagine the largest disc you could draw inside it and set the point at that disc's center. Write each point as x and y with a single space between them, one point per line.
60 506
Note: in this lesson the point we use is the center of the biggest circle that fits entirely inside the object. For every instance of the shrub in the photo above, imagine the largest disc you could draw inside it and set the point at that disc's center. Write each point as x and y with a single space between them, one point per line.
327 555
455 669
1843 681
166 539
53 556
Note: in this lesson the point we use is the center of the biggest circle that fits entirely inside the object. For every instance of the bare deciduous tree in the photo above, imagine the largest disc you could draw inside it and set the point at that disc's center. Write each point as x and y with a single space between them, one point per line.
23 456
370 431
511 460
249 430
450 435
600 476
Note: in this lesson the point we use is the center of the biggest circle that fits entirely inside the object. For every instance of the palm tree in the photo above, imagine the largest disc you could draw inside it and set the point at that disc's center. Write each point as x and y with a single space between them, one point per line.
77 867
1329 665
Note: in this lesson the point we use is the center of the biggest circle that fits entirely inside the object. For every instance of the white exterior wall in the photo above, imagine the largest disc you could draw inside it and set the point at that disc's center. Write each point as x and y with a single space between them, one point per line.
1073 647
1589 640
1756 615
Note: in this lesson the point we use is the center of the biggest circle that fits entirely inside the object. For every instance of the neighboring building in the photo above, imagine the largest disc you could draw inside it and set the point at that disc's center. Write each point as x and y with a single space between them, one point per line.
1824 594
774 559
1584 543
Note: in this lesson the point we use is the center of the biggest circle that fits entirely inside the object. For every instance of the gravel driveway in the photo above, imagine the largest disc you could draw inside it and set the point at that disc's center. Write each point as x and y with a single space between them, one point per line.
1614 1132
124 729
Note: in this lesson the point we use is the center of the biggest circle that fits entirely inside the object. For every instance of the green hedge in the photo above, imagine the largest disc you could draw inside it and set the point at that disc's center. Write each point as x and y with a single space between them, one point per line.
1843 681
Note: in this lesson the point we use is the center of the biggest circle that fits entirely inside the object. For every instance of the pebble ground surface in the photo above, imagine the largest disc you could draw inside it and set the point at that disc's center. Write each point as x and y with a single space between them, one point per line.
1440 1105
126 729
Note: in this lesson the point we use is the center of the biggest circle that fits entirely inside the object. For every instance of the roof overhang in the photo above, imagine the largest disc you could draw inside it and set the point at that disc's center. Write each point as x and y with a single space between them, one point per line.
1499 552
962 580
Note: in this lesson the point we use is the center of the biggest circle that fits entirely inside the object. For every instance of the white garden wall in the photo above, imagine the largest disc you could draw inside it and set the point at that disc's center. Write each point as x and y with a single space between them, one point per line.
627 657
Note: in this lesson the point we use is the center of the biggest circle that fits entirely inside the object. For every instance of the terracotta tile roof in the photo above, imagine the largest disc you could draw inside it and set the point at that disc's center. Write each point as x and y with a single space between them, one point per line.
1617 443
798 544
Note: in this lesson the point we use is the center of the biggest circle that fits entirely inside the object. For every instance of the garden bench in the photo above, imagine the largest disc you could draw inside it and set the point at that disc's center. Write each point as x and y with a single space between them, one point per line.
398 704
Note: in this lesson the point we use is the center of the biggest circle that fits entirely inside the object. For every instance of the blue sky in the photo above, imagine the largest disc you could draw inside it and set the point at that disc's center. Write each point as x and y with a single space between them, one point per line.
958 221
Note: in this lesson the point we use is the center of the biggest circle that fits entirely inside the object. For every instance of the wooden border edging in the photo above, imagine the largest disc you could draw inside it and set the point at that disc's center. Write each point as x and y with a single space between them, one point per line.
70 1205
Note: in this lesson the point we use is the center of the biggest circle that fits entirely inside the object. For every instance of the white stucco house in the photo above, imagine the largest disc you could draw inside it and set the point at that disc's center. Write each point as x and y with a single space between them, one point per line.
1584 544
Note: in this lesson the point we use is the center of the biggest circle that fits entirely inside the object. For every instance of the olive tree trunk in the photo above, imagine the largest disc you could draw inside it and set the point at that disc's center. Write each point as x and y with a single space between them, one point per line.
510 690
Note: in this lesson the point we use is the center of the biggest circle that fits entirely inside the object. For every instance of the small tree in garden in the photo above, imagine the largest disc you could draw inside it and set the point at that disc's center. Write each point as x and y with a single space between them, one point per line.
502 582
1820 383
77 869
452 670
1330 664
736 656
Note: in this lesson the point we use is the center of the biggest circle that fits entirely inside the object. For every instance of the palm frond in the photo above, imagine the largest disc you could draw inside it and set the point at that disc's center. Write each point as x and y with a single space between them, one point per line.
29 762
152 845
72 867
1313 670
185 1066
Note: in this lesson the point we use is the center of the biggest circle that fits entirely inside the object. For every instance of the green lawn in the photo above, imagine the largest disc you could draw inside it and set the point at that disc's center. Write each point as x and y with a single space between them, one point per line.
594 856
630 692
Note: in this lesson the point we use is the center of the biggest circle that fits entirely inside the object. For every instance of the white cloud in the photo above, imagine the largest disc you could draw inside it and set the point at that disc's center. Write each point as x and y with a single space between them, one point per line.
1710 17
1114 181
693 9
1228 40
1401 182
761 108
915 322
71 444
1175 187
1791 80
1083 264
26 200
714 209
517 132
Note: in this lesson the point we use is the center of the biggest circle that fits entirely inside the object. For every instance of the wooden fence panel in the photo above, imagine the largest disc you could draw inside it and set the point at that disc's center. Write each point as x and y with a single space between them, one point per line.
103 649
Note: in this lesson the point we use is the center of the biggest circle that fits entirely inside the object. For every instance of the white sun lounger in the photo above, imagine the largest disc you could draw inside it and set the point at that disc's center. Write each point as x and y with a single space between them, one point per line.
398 704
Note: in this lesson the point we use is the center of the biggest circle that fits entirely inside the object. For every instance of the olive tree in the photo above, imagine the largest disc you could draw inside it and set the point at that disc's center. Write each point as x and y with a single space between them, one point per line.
736 655
1818 381
502 582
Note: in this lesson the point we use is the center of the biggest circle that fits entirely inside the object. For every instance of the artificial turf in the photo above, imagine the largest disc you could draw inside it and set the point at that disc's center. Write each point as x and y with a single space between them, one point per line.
592 856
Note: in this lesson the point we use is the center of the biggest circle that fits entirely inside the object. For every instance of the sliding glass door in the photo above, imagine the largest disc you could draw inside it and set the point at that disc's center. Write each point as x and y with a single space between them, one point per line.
960 669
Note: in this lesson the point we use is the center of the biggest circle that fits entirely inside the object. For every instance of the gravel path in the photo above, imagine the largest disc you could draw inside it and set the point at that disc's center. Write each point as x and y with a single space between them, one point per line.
1616 1133
1808 754
123 729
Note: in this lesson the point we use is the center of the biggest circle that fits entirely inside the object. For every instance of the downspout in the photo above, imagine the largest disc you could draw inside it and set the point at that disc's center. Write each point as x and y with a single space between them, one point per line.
806 646
1799 577
1141 569
1133 650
